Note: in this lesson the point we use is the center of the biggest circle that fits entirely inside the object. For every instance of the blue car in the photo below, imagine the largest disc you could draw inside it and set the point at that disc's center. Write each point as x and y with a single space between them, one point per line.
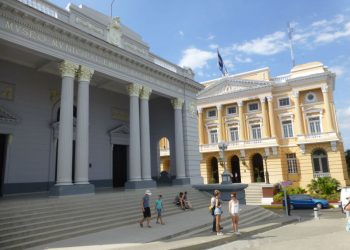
306 201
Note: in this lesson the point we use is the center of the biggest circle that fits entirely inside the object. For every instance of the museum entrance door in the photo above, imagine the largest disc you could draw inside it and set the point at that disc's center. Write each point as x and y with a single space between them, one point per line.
119 165
258 168
236 171
3 144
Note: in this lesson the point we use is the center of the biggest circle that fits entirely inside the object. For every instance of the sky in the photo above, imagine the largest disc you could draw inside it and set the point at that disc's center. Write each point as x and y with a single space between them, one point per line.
250 34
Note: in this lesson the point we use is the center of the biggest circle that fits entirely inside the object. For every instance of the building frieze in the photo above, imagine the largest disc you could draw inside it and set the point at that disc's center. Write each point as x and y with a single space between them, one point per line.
58 38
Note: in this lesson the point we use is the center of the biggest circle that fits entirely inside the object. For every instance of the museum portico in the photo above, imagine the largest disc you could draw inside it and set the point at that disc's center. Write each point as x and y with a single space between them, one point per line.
84 103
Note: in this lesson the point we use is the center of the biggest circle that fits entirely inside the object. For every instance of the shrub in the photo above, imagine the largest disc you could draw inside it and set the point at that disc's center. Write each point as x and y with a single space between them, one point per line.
323 186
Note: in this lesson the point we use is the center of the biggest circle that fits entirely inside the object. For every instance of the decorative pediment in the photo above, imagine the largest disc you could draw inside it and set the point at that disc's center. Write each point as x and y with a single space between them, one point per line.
121 129
227 85
7 117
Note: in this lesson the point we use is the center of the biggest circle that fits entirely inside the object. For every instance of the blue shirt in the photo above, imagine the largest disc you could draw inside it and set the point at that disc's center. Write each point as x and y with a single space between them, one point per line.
159 204
146 201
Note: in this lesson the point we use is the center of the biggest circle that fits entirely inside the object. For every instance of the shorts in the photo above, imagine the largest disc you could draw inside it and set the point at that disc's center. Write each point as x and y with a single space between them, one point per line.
217 211
147 212
159 211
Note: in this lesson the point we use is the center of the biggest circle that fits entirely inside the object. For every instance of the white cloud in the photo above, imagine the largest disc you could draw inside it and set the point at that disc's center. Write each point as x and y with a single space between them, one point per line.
338 70
181 33
229 64
196 58
210 37
243 60
213 46
343 116
327 37
268 45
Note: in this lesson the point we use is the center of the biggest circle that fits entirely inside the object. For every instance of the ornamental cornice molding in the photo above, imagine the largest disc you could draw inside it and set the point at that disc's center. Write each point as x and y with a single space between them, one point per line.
68 69
85 74
326 76
177 103
39 27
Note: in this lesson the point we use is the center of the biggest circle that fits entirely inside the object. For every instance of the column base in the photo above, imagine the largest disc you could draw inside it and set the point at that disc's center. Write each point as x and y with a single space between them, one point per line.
63 190
140 184
182 181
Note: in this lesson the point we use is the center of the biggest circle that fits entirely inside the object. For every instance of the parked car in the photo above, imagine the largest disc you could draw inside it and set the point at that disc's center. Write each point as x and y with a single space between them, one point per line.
344 194
306 201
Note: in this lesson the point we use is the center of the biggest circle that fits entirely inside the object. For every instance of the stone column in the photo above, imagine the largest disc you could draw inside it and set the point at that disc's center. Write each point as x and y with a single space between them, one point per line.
220 127
241 121
134 145
327 106
65 134
145 138
298 116
82 139
265 118
179 143
200 125
272 117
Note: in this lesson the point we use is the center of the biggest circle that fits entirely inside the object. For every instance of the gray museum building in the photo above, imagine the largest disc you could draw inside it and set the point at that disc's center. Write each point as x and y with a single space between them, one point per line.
84 104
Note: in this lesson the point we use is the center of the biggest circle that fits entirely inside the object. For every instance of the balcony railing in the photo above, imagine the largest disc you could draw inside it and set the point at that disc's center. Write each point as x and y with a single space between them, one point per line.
281 79
237 145
41 6
321 174
320 137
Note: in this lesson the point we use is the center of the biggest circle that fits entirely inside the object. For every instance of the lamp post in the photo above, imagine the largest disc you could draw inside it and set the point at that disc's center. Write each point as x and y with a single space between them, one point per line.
226 178
267 180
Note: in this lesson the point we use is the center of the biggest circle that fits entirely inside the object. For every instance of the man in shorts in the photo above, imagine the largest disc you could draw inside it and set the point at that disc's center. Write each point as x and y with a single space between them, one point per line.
146 210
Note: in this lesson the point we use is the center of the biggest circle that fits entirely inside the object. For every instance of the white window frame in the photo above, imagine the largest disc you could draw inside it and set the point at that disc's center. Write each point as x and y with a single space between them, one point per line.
212 117
284 106
309 124
210 133
233 114
292 163
252 111
251 131
292 126
230 135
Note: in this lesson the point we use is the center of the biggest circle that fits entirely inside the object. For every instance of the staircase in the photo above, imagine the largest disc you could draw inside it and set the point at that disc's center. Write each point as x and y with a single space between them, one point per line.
253 193
28 222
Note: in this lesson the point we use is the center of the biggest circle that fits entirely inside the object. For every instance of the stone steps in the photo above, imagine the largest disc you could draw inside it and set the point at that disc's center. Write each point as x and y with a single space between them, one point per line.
254 194
40 222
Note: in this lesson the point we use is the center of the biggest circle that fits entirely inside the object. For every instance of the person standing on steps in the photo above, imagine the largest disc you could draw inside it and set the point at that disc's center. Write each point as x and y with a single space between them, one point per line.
218 212
233 208
159 207
212 205
146 210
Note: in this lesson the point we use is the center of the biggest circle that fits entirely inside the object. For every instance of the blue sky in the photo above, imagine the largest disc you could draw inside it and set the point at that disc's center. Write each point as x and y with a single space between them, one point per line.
250 34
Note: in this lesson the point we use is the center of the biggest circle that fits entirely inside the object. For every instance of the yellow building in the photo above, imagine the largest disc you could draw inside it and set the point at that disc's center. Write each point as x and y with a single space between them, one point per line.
285 126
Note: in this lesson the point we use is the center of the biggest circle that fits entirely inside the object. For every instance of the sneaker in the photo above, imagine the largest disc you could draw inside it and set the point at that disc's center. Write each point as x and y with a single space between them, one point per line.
237 233
219 233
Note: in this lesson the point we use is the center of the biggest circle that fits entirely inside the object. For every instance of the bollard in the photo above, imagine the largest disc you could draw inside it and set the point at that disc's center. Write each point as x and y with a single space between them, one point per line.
316 217
347 214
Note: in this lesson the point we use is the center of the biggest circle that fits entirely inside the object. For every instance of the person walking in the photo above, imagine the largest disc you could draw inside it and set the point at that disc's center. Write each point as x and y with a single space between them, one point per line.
218 212
233 208
146 210
159 207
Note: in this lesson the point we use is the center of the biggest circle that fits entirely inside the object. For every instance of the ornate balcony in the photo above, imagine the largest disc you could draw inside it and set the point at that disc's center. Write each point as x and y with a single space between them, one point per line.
321 174
164 152
238 145
317 138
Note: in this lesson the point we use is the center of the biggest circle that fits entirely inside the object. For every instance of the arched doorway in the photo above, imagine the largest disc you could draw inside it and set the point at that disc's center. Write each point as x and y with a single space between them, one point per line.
258 168
164 155
214 171
236 171
320 163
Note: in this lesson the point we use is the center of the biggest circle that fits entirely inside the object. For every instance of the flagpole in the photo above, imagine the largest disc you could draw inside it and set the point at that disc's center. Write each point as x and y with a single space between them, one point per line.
290 36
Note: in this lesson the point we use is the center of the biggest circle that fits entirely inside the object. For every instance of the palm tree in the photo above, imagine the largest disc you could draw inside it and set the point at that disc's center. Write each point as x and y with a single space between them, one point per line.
323 185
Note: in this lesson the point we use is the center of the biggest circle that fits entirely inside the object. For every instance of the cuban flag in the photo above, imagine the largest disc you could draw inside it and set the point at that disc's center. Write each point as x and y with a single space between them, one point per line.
221 64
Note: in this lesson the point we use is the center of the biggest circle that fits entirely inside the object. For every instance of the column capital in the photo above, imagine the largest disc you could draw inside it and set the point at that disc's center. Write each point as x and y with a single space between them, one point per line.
199 110
177 103
68 68
269 98
296 94
240 103
85 73
134 89
145 93
262 99
324 88
218 106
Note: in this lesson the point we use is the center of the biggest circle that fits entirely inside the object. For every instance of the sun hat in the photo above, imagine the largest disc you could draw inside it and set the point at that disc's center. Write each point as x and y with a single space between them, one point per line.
148 192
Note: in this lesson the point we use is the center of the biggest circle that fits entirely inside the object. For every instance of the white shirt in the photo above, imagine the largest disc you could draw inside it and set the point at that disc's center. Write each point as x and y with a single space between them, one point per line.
234 207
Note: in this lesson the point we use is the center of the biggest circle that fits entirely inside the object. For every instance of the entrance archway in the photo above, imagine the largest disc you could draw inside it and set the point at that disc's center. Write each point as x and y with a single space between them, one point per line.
214 171
164 155
120 162
236 171
258 168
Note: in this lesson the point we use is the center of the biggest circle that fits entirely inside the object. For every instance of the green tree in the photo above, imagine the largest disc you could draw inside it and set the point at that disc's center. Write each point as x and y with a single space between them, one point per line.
323 186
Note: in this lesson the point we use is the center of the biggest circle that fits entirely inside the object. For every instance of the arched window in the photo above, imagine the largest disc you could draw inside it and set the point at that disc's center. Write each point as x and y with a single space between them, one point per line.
320 163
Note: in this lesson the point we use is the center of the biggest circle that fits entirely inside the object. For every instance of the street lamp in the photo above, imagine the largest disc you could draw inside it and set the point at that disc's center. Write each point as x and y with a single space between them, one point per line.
267 180
226 178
